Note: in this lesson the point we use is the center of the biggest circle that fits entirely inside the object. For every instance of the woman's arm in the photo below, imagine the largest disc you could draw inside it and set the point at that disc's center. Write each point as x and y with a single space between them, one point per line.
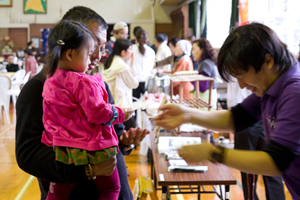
221 120
174 115
130 79
165 61
256 162
275 159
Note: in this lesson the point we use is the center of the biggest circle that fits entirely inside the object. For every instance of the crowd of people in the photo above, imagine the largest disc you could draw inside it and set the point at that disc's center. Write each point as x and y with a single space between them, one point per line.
30 62
126 62
80 154
73 158
261 63
39 159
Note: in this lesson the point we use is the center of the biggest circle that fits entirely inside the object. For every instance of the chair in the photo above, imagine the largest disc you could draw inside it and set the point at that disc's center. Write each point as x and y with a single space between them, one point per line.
18 77
4 98
20 53
25 79
39 68
16 83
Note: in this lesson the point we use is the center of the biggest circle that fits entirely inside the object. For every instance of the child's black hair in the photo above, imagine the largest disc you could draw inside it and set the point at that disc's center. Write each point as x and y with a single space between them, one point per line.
67 34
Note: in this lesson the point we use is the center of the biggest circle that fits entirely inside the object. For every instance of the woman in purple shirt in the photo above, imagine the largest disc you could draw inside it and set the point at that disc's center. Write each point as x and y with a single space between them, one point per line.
206 55
254 54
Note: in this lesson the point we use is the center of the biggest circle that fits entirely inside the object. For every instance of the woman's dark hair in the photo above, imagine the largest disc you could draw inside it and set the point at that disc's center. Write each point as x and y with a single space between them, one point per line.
136 29
247 46
141 37
160 38
173 40
67 34
84 16
28 51
120 45
208 50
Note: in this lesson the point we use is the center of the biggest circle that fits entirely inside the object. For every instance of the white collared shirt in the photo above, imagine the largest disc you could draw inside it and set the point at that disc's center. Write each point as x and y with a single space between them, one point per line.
235 94
163 51
121 79
143 63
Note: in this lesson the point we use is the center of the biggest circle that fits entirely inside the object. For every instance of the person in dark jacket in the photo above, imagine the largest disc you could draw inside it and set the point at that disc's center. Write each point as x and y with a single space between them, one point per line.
119 31
11 67
37 159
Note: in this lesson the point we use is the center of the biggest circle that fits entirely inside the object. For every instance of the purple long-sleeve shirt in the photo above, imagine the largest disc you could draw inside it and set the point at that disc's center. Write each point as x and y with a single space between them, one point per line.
279 110
209 69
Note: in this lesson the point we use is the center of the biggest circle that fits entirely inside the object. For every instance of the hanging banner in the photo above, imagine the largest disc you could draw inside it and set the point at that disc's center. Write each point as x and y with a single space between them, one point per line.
243 12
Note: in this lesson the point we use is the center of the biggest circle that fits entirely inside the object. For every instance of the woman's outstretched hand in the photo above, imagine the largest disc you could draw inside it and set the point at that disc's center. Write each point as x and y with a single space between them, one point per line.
196 153
172 116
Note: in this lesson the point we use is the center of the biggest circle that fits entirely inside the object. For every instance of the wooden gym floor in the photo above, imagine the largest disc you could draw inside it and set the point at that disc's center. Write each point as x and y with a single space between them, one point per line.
16 184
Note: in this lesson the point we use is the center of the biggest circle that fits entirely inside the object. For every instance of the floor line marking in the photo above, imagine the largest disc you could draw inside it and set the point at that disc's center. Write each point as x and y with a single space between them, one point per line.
8 163
7 129
24 188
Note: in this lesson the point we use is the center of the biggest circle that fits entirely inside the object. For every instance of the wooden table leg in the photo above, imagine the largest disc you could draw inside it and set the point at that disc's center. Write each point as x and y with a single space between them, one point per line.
152 167
180 97
210 93
251 184
181 93
171 90
197 91
208 132
227 187
164 194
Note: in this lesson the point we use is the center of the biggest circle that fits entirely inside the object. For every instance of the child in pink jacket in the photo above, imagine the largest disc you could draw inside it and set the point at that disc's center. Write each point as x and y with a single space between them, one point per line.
77 116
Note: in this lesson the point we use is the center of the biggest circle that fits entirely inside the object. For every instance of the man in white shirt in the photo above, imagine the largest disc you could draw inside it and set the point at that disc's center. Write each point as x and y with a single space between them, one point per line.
163 51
